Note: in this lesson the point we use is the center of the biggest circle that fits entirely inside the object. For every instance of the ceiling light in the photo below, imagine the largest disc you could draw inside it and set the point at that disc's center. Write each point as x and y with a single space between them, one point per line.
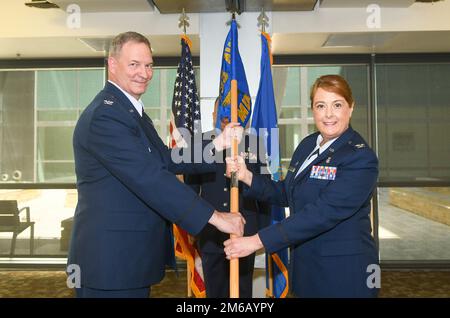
41 4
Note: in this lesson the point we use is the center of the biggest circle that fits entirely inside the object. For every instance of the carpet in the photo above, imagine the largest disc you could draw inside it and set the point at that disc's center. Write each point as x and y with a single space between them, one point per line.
52 284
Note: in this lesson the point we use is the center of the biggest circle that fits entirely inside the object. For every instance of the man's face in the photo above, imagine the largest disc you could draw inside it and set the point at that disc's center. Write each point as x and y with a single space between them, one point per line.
132 68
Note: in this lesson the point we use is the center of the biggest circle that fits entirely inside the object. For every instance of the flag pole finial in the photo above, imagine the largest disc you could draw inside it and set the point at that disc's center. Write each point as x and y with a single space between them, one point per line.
263 20
183 21
233 18
234 6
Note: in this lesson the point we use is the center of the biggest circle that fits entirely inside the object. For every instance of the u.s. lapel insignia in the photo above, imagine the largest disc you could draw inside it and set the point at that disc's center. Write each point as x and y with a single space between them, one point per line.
328 160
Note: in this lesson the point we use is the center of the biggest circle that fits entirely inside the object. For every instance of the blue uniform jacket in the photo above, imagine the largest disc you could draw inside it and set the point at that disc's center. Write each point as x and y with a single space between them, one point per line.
214 187
329 229
127 197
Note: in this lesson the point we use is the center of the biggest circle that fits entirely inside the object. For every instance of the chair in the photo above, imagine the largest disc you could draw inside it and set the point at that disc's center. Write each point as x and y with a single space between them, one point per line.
10 222
66 233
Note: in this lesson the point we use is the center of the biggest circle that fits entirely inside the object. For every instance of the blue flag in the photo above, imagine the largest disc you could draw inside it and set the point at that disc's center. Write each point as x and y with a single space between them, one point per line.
264 121
233 69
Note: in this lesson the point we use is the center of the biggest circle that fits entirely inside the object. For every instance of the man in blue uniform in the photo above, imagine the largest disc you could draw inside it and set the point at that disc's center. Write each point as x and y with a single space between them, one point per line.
214 188
128 195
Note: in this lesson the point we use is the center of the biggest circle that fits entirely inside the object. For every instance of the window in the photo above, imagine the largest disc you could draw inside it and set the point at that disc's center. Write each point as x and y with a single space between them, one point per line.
413 120
406 122
39 111
61 95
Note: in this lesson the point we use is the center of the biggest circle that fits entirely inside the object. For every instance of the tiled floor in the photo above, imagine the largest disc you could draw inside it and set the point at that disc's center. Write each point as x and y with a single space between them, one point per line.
409 236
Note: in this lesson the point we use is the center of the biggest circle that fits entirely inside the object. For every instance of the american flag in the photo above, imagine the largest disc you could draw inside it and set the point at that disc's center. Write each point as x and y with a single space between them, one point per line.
186 114
185 103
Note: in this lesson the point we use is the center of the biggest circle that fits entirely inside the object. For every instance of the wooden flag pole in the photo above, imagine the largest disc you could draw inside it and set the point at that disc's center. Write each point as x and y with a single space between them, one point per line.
188 268
270 270
188 276
234 194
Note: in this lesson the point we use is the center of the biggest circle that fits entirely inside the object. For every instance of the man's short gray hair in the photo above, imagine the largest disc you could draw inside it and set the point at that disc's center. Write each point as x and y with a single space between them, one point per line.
118 42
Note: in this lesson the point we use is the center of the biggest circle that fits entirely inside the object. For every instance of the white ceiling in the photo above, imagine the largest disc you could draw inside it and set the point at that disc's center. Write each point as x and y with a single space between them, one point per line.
31 43
67 47
294 43
396 42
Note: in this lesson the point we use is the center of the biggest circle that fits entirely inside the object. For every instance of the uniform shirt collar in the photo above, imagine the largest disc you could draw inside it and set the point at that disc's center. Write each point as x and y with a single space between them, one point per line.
136 103
325 145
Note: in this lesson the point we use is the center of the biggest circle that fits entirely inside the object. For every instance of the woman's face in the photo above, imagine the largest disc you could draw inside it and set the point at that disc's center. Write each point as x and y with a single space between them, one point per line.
331 114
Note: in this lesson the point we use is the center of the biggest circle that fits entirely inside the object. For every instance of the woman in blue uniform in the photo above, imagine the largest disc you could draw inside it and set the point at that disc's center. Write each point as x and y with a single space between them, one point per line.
328 189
